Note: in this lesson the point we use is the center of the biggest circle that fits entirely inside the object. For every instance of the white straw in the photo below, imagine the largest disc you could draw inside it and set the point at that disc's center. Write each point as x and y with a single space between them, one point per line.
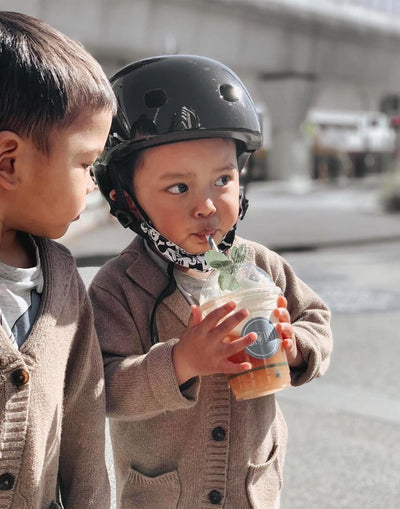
212 243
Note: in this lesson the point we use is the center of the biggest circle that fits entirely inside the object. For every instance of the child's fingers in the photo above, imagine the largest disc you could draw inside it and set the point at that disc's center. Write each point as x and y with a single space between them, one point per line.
235 347
281 302
226 326
212 319
282 314
239 344
284 330
195 316
288 344
236 367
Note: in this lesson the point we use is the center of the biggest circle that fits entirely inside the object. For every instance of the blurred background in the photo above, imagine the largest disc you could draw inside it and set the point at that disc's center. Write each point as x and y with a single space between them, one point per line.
324 192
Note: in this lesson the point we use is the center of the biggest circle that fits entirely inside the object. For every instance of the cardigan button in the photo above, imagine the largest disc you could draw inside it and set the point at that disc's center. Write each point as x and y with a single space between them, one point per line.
218 433
6 481
215 497
20 377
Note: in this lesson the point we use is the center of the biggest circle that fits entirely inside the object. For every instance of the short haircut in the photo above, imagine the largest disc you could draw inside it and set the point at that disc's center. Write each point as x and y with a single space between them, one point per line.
47 80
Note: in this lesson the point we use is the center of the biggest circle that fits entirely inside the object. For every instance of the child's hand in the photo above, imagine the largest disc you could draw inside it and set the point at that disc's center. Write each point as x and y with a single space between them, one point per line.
202 350
285 332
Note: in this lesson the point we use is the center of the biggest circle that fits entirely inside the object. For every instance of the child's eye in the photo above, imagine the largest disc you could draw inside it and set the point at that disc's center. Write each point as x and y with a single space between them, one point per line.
178 189
223 181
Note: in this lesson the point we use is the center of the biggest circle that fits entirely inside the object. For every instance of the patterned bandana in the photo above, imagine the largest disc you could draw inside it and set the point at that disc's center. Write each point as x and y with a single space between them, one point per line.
176 254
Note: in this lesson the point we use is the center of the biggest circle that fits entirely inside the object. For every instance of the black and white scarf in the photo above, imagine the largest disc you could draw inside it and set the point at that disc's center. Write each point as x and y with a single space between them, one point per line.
176 254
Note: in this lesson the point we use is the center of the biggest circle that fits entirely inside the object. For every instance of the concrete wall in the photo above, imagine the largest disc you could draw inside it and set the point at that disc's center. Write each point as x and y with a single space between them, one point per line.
291 58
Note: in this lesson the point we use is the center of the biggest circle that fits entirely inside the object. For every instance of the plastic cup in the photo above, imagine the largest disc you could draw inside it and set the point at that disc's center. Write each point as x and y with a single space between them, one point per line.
270 371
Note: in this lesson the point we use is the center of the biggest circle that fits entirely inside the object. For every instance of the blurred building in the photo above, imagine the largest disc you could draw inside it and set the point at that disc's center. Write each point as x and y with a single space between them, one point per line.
293 55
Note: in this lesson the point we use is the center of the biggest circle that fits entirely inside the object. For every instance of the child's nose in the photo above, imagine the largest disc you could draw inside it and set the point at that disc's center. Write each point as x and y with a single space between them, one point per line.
204 207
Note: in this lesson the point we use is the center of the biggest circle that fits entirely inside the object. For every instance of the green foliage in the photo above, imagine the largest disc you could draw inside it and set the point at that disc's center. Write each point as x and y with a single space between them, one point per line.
227 281
227 268
239 254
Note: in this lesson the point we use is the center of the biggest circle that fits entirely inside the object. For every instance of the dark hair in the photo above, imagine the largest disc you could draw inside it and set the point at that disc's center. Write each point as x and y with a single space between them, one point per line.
46 79
126 168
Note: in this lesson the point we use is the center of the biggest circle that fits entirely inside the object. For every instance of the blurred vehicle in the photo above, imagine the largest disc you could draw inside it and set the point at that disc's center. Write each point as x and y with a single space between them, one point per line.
366 138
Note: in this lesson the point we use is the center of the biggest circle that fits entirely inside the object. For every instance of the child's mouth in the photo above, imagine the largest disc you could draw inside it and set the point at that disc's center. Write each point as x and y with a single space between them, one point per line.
204 236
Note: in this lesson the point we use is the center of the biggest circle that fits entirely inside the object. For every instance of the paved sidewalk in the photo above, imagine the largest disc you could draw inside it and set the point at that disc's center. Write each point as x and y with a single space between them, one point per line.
287 218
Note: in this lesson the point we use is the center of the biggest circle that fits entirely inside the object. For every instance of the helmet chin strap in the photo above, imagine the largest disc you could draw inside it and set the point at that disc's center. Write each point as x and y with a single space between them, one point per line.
176 254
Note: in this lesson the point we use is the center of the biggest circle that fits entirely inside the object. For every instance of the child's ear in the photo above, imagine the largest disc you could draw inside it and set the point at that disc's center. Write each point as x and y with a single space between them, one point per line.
129 201
9 142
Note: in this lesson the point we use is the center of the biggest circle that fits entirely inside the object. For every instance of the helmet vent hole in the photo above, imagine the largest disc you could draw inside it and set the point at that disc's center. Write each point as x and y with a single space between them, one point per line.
230 93
155 98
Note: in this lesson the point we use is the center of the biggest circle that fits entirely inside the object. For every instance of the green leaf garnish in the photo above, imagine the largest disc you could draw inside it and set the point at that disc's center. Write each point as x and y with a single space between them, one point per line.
216 259
239 254
221 265
227 281
227 268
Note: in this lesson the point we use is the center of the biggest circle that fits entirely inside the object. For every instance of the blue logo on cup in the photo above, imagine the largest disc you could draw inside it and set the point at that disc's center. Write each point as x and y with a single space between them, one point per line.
267 341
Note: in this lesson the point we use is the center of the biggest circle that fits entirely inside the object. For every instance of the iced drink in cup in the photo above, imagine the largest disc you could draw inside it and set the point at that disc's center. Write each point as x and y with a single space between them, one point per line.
251 288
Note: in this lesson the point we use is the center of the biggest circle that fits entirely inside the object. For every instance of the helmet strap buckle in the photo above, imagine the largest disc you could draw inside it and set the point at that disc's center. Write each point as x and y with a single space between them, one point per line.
125 218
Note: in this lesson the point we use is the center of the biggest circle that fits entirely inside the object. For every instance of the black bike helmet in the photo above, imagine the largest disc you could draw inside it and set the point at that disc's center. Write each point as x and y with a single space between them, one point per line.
174 98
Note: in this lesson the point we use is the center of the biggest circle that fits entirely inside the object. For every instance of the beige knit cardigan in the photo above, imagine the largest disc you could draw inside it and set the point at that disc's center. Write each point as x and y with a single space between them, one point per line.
52 407
199 448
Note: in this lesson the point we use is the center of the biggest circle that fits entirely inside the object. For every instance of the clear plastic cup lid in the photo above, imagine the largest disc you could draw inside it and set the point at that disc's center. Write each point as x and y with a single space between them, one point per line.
247 276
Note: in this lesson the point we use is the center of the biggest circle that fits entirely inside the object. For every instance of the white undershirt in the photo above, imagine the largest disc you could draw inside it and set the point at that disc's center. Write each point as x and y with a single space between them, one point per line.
20 293
189 282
